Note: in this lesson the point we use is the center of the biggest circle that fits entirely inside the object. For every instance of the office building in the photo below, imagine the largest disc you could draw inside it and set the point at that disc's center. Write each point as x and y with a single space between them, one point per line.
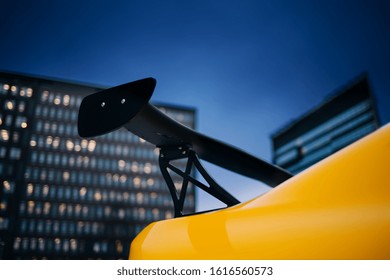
337 122
64 197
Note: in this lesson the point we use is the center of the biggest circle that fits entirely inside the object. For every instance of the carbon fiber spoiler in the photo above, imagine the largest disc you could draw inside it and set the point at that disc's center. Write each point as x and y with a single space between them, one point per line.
128 106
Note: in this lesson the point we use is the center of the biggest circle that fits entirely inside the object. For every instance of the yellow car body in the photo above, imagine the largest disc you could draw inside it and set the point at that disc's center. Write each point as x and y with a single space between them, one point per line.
337 209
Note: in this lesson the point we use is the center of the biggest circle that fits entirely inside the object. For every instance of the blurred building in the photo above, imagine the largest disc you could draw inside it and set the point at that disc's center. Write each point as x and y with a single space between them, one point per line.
64 197
337 122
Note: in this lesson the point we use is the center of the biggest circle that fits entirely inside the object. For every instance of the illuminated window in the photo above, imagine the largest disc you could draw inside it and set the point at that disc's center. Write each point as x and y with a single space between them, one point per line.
77 148
80 227
9 105
62 208
137 181
33 143
4 135
178 185
57 244
21 121
91 145
140 198
119 246
148 168
121 164
45 190
153 195
66 175
56 142
84 143
85 160
30 189
49 140
57 100
115 177
3 205
134 167
8 186
168 215
69 145
123 178
22 92
30 207
96 247
150 182
83 191
98 196
66 100
29 92
73 244
46 208
45 95
156 213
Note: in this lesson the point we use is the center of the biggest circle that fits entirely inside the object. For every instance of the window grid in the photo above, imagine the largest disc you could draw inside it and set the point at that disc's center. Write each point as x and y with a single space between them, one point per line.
80 198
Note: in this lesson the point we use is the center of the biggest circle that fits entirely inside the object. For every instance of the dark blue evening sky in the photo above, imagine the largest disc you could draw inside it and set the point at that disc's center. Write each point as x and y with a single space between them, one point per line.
249 67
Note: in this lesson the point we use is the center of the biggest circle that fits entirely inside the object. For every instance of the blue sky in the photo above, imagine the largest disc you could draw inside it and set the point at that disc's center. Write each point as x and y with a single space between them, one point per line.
249 67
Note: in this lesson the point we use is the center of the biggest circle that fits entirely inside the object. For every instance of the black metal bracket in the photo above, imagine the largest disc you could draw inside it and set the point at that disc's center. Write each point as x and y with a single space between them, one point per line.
168 154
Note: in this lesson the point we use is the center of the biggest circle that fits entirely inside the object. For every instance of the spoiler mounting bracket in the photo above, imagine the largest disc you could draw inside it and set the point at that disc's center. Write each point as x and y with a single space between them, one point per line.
171 153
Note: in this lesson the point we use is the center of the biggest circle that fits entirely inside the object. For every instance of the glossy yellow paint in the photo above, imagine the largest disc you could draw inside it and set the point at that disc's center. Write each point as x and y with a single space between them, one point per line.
336 209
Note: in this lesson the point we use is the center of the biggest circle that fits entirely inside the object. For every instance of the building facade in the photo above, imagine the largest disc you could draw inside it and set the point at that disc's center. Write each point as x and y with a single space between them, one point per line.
64 197
337 122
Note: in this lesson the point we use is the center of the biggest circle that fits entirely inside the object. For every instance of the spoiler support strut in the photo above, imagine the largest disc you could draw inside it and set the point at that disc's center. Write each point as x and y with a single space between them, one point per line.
168 154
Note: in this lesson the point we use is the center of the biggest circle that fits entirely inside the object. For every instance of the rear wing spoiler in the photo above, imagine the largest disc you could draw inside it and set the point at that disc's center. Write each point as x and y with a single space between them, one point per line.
128 106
